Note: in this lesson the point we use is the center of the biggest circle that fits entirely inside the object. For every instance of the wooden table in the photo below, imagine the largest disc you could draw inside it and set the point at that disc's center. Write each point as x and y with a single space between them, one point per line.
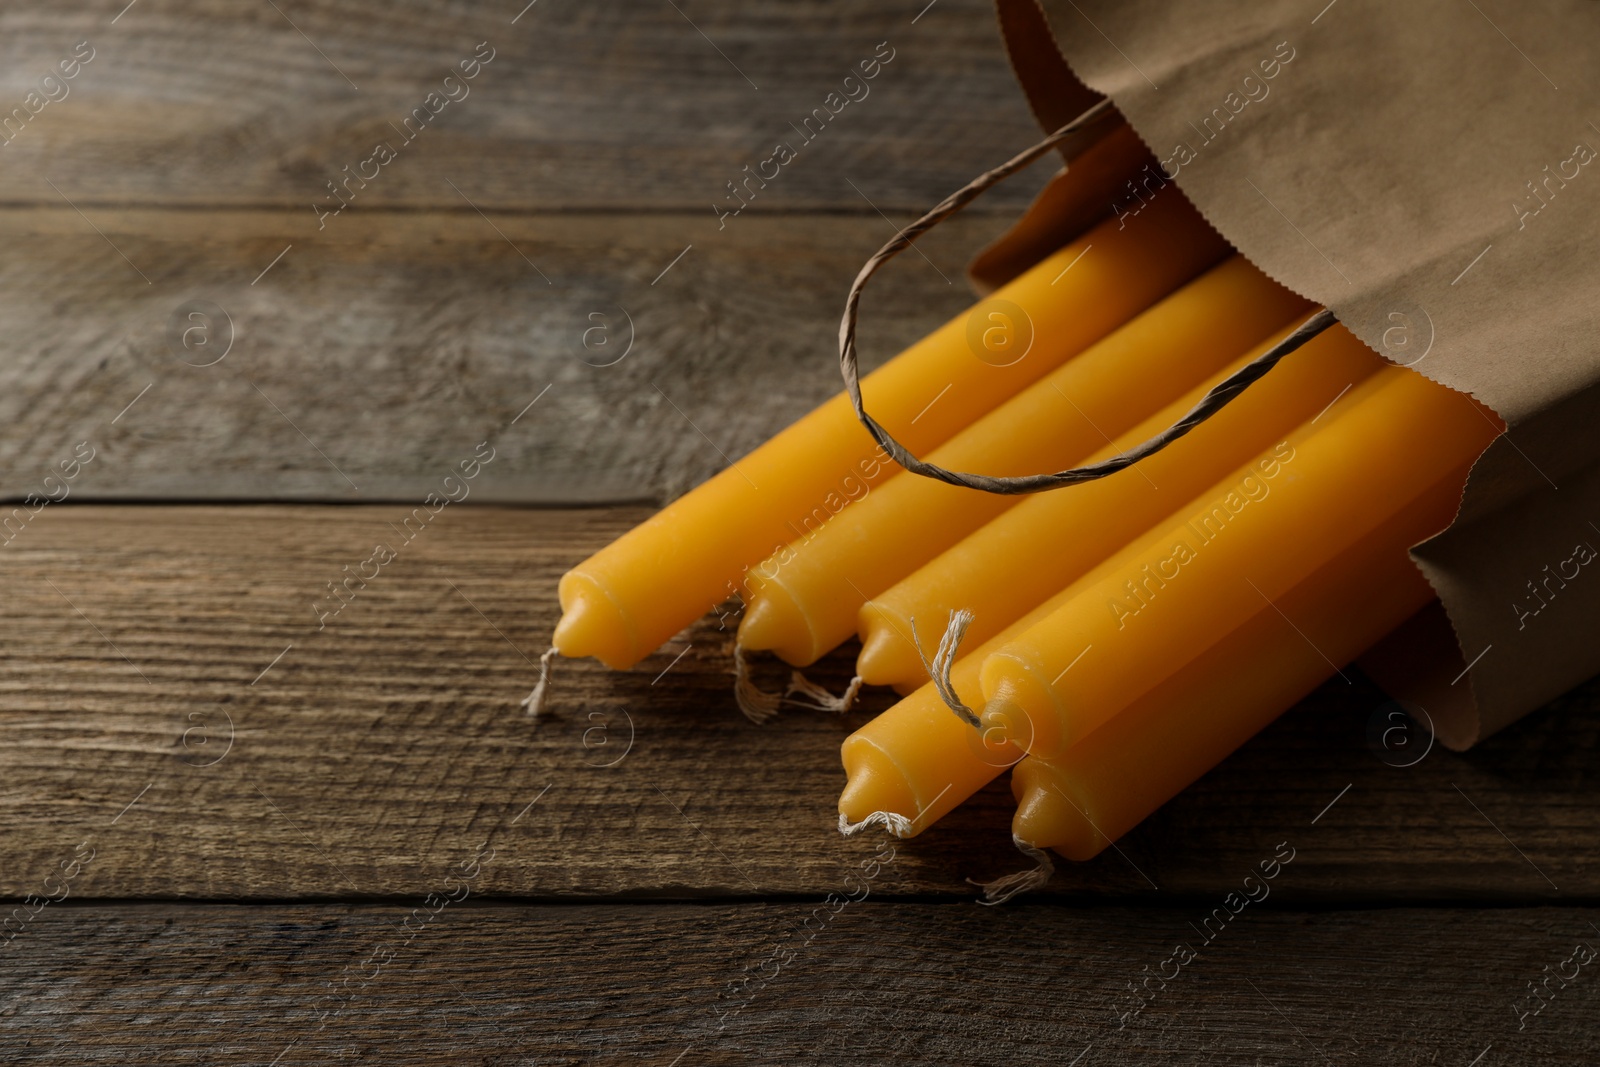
243 828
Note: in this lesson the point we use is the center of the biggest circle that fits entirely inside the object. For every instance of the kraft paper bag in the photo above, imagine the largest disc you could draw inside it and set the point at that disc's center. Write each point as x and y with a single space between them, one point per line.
1430 172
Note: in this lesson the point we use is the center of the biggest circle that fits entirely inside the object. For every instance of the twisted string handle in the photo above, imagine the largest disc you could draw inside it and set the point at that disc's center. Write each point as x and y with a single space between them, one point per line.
1214 400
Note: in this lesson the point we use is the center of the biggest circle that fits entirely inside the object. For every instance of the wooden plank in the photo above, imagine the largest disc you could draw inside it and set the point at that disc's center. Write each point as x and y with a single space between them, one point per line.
170 698
366 361
524 242
600 105
868 983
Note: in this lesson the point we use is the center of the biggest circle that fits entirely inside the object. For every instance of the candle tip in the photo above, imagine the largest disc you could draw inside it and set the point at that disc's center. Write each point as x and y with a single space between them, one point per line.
592 626
1048 817
578 629
887 658
773 624
873 785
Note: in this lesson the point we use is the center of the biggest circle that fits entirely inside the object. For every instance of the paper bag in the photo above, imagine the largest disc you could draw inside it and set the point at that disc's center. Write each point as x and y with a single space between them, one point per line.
1429 171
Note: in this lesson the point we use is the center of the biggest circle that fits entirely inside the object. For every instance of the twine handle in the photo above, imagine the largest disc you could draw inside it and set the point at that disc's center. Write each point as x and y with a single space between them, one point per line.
1219 396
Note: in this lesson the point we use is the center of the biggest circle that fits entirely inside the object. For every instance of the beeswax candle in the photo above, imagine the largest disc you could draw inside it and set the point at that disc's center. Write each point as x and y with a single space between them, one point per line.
1051 539
1186 584
805 599
1101 788
628 599
625 600
918 761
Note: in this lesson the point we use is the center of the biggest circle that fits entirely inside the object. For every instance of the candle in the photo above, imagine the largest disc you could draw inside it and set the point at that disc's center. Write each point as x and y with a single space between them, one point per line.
1051 539
806 598
917 762
621 603
1249 539
917 758
1104 786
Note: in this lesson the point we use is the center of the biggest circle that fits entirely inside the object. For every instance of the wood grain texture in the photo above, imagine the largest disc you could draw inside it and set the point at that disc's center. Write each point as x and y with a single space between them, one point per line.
610 105
246 811
170 698
523 240
367 361
370 360
872 983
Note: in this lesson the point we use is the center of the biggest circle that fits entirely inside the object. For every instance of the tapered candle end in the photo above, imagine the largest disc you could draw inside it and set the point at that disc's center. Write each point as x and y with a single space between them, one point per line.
1023 711
1047 817
773 623
887 658
873 784
591 625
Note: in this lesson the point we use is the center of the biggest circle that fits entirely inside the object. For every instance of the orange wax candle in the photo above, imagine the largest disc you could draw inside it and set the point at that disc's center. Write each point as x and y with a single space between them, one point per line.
917 760
1102 787
1051 539
621 603
806 598
1188 583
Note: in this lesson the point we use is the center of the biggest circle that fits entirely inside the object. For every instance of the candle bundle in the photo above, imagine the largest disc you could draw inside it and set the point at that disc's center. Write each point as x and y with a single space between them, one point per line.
620 604
806 598
1157 653
1111 640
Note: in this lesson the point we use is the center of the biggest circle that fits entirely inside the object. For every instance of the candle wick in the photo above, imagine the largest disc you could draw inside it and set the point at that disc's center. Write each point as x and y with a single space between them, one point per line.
895 823
759 705
535 700
944 659
819 698
1007 886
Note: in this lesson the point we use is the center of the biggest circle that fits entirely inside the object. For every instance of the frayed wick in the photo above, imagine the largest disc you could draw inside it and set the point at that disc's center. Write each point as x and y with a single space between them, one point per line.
898 825
819 698
1007 886
534 702
759 705
944 660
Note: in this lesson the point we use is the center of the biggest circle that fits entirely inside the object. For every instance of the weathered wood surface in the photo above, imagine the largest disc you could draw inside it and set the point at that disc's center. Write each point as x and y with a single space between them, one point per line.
365 365
233 809
870 983
170 698
606 105
187 154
